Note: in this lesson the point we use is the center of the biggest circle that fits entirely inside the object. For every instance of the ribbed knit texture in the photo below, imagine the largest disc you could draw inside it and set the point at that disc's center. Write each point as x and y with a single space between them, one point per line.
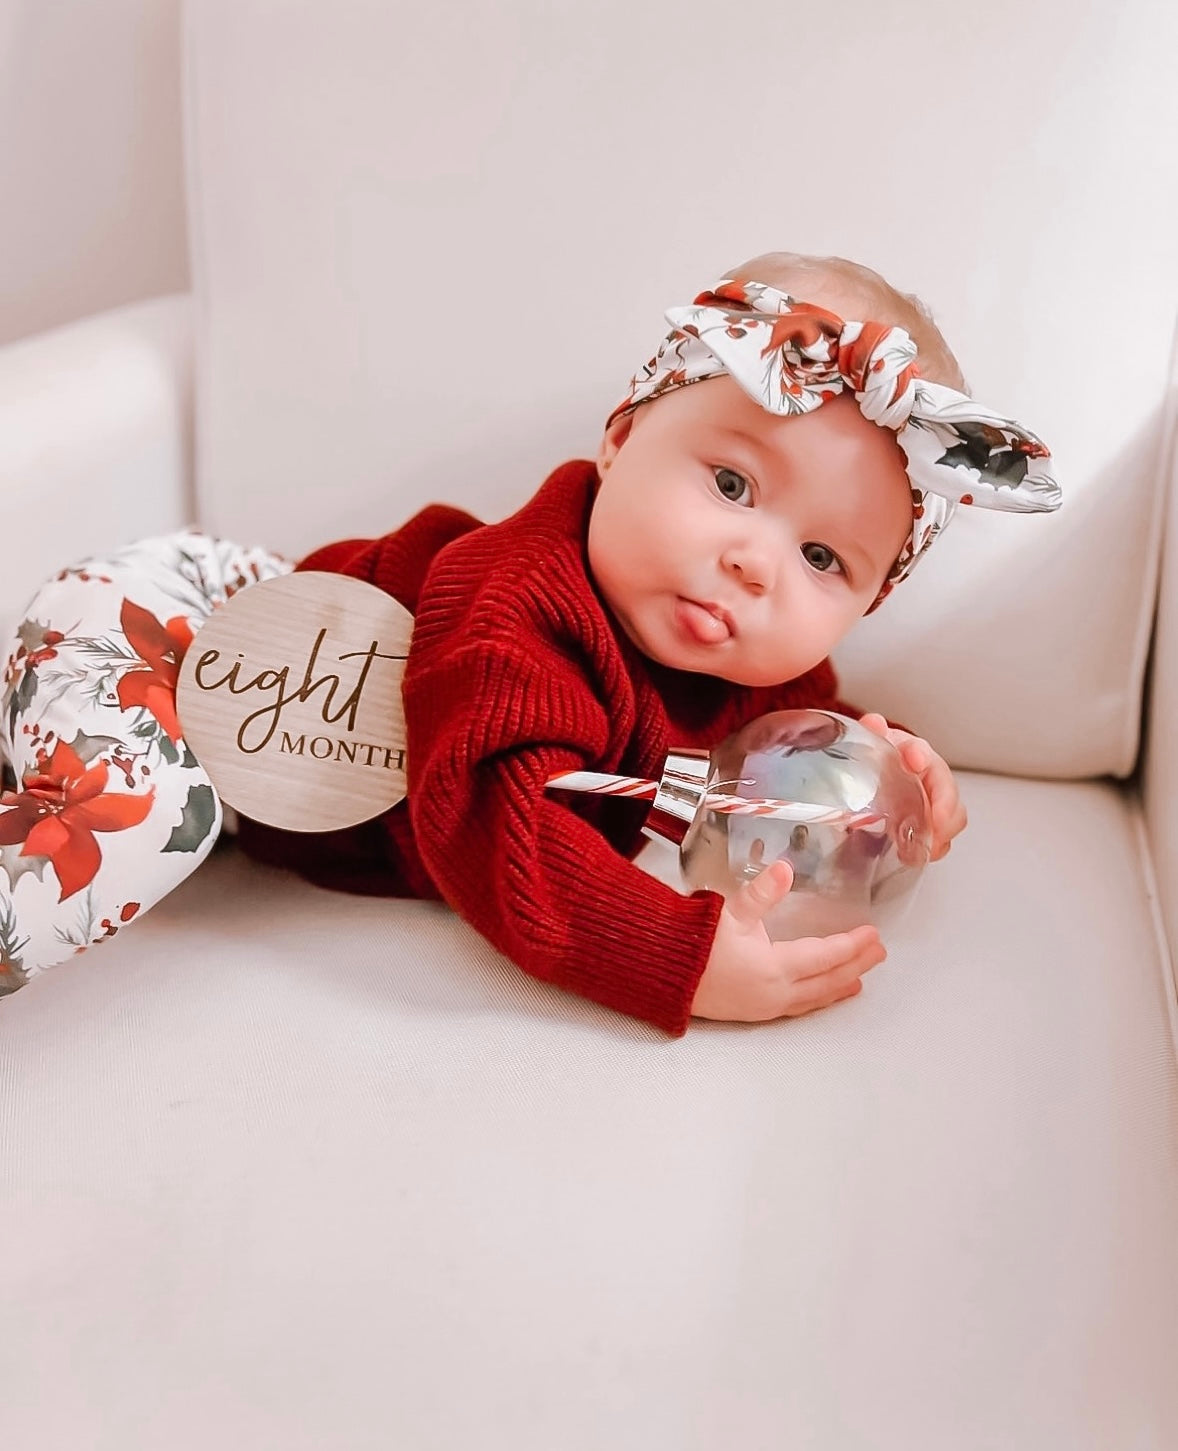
517 670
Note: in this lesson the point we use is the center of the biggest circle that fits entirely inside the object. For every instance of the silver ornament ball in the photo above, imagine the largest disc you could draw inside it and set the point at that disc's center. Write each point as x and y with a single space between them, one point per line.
861 867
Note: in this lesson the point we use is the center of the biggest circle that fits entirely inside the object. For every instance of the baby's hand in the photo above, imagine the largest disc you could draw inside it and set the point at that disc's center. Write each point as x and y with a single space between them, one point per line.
749 979
948 814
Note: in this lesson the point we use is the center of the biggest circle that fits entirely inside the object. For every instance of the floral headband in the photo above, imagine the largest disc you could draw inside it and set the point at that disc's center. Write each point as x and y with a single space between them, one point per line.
790 357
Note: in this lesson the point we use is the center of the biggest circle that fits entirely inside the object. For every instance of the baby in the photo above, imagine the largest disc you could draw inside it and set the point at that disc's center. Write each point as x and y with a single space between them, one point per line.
772 473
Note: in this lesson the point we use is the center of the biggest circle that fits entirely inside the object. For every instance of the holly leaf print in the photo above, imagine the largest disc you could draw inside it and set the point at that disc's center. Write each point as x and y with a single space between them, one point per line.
1003 468
196 821
89 748
1007 469
148 730
21 698
973 454
988 450
17 866
31 634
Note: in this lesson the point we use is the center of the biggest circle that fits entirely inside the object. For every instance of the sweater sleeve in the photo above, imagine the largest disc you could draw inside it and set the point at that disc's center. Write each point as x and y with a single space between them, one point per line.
541 884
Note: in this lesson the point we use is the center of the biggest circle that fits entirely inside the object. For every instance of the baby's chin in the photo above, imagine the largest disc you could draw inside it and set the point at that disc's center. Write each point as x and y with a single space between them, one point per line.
759 679
722 665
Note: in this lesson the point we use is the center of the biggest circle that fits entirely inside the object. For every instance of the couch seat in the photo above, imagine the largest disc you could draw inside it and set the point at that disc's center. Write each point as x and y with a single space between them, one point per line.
283 1168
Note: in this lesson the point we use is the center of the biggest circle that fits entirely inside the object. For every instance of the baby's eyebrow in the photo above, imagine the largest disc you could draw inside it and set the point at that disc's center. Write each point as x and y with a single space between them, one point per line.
734 430
743 435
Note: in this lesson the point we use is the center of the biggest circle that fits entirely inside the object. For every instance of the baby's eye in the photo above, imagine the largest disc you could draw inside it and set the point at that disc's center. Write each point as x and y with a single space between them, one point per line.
824 560
733 486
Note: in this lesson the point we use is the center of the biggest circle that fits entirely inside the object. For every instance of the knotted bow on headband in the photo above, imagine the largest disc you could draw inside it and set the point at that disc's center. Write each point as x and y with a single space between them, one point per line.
790 357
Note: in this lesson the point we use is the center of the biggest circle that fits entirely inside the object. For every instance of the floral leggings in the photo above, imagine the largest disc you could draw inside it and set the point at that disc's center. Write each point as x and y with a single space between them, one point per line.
103 808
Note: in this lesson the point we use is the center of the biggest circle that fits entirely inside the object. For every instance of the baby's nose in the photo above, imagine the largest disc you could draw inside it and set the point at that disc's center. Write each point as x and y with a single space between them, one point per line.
752 566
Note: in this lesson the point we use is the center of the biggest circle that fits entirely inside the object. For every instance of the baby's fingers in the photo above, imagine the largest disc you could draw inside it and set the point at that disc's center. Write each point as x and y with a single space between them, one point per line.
875 723
949 820
761 895
947 812
919 756
815 957
915 752
842 980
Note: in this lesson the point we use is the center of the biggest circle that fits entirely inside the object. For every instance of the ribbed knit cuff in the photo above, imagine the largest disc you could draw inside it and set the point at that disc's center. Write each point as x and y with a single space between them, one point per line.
634 944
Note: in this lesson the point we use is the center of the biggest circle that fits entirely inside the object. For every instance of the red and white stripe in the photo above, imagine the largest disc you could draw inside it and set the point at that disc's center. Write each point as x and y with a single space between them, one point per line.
803 812
600 783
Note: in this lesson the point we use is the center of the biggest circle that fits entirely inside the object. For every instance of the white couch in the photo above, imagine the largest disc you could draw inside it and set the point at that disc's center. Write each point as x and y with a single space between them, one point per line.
286 1169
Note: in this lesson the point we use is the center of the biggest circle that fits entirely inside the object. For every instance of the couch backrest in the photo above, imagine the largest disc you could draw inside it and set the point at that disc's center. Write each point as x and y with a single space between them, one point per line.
400 214
1160 776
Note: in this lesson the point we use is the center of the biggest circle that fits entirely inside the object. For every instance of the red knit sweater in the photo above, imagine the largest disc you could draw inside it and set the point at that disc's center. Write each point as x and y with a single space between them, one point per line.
517 670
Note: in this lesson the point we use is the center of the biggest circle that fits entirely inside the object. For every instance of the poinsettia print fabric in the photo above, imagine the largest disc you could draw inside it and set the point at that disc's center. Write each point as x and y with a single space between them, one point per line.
103 808
791 356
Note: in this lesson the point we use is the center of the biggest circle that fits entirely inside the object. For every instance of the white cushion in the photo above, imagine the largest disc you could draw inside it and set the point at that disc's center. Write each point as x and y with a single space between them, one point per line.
95 440
429 257
285 1168
1161 766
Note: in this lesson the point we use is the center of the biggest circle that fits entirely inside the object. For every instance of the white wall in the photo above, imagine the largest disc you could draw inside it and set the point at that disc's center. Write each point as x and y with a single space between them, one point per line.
91 172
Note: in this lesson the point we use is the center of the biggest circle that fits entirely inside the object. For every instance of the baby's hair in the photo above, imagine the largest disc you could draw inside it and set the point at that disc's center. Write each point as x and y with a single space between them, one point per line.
855 291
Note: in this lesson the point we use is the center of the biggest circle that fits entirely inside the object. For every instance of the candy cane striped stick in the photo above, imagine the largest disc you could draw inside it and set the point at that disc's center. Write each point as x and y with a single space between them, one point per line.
600 783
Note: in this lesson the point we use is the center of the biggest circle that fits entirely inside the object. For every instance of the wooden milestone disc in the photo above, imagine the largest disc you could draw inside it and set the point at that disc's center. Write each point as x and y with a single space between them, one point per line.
290 698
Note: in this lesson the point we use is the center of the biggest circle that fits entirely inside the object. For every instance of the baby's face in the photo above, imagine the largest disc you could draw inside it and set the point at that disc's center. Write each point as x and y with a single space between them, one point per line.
735 543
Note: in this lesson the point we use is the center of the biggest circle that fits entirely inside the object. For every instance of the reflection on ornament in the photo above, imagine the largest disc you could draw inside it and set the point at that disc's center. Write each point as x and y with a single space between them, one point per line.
851 820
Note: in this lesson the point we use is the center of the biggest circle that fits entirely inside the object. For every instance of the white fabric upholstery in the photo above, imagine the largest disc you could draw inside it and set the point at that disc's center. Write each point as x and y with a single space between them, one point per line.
95 440
1161 762
282 1168
390 209
288 1169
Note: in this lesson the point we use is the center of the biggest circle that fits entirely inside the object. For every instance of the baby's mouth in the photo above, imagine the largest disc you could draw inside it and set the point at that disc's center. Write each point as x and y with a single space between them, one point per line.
704 622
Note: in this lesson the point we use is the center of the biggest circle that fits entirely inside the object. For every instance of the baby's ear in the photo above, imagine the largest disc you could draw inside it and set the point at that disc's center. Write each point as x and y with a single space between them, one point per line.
617 431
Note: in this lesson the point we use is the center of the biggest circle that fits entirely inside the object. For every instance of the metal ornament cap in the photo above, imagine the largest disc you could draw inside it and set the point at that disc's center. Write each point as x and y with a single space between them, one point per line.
681 789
